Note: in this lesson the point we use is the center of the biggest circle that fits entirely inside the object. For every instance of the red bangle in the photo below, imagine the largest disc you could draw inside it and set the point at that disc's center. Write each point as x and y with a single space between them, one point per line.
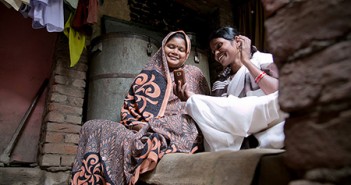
259 77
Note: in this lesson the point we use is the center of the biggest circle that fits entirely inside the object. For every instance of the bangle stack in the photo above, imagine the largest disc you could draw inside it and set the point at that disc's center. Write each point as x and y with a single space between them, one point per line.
259 77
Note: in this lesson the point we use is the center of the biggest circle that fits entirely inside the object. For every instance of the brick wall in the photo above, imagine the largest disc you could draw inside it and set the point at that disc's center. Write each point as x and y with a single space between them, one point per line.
64 112
311 44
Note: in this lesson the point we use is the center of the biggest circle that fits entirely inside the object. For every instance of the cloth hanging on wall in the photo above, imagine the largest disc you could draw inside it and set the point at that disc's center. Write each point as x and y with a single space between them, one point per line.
16 4
85 15
76 42
6 4
72 3
47 13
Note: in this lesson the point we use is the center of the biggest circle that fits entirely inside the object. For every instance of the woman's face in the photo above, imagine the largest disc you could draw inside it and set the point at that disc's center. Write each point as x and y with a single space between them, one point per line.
224 51
175 50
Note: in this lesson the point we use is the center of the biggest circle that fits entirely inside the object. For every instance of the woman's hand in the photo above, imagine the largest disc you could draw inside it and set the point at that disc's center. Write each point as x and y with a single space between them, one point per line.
244 47
181 91
267 84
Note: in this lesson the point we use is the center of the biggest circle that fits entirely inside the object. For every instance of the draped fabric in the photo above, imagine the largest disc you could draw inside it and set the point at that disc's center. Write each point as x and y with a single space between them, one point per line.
76 42
113 153
85 16
148 96
240 110
47 13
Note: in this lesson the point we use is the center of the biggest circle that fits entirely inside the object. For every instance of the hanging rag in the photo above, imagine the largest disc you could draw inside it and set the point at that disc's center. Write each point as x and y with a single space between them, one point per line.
85 16
76 42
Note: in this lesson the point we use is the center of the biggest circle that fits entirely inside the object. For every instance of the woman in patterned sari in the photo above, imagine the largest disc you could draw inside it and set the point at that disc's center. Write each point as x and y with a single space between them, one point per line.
152 122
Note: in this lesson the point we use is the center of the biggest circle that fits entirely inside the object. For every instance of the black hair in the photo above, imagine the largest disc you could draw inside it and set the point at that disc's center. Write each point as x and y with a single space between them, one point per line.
228 33
178 35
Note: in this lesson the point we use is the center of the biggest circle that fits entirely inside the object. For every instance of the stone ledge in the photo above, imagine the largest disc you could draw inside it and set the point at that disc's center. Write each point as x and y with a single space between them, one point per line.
225 167
32 176
251 167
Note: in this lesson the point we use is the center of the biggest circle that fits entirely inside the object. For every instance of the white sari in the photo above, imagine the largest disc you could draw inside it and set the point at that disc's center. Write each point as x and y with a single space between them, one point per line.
226 121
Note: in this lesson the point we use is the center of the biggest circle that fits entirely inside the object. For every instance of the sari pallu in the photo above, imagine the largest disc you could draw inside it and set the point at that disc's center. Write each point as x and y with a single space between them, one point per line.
113 153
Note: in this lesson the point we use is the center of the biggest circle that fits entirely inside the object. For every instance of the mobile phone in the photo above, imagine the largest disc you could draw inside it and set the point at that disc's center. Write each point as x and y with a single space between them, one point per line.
179 75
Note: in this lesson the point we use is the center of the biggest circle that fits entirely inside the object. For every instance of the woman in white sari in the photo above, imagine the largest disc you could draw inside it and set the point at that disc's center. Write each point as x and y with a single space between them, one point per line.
243 111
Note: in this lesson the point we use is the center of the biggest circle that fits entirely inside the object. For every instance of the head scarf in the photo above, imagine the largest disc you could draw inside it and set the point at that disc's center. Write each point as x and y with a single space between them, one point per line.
149 93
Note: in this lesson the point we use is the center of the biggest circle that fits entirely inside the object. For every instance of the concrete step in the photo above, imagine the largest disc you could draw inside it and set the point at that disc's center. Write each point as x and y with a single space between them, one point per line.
244 167
31 176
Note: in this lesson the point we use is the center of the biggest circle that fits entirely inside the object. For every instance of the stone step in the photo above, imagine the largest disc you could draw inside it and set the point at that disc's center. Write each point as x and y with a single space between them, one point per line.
31 176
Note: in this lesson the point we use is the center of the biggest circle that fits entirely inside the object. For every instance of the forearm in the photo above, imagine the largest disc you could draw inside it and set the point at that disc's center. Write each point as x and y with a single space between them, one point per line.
267 83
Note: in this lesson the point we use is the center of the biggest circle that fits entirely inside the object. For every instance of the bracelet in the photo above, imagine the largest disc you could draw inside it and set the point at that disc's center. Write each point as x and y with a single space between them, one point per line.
259 77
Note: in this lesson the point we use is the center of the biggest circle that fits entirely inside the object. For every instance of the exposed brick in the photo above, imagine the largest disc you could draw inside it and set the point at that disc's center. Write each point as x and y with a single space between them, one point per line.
72 138
65 109
70 73
50 160
62 61
67 160
54 137
77 102
63 127
78 83
55 116
81 66
74 119
55 97
56 148
61 80
71 91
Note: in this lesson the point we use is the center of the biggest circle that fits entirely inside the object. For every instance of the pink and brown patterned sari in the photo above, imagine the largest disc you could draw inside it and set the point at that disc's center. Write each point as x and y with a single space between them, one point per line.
113 153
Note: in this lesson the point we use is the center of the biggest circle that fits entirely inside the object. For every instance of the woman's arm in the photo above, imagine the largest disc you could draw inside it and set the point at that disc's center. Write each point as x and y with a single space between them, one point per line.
267 83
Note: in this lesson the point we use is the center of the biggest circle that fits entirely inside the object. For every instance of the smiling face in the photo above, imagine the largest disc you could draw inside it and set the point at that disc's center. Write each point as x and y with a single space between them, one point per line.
176 53
224 51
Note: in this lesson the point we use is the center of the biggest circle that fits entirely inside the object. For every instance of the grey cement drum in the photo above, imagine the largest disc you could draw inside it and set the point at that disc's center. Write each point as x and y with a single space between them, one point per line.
117 59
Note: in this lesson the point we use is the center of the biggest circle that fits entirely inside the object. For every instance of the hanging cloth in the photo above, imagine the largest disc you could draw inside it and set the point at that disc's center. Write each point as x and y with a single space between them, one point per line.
47 13
85 16
76 42
72 3
16 4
